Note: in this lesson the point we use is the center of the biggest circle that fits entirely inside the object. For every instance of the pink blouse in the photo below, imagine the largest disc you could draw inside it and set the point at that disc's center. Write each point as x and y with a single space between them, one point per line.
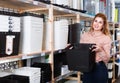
103 41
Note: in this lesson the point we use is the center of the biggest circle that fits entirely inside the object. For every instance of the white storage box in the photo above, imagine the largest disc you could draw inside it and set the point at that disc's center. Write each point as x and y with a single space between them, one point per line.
60 34
60 2
3 74
33 73
32 34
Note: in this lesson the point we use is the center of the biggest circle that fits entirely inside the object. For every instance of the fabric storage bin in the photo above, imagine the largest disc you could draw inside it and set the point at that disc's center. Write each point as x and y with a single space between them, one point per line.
57 64
81 58
9 34
46 72
14 79
74 33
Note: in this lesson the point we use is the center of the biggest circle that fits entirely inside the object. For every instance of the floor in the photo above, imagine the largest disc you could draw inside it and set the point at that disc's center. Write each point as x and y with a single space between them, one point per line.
71 81
118 80
75 81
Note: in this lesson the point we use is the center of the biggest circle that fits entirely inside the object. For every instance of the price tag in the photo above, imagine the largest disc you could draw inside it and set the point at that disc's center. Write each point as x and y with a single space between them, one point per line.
42 54
24 56
60 9
70 11
35 2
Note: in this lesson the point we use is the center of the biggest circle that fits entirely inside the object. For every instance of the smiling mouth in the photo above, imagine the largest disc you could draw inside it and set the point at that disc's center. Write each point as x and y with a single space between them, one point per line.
96 27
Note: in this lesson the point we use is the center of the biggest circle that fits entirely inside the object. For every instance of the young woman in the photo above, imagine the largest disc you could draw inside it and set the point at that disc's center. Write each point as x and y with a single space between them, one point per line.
98 34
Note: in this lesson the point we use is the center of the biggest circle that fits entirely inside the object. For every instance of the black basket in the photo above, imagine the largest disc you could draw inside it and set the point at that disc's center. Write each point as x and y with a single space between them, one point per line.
14 79
81 57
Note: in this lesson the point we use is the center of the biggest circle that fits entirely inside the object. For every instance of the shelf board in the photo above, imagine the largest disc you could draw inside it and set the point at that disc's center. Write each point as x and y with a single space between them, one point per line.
10 58
86 17
62 12
65 76
23 56
39 7
23 5
35 54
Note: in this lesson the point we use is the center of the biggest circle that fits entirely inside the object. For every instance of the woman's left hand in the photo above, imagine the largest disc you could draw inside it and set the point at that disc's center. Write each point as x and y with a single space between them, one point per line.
97 48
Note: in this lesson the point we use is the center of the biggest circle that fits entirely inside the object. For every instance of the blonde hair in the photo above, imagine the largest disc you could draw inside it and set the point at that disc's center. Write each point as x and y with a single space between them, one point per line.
105 28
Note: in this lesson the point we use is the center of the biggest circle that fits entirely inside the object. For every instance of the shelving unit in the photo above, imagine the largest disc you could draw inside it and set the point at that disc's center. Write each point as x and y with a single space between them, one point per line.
52 12
115 48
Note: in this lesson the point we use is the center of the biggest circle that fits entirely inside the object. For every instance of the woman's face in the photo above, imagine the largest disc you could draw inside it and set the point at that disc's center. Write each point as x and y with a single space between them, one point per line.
98 24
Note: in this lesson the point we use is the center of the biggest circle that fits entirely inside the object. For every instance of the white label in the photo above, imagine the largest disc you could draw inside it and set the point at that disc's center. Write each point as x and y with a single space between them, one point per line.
9 44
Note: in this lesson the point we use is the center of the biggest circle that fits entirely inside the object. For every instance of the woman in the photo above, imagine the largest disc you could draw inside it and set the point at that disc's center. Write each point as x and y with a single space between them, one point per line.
98 34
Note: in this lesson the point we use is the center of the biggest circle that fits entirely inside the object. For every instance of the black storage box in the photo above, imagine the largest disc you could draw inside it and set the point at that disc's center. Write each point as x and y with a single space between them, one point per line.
59 60
74 33
5 51
81 58
9 34
46 72
14 79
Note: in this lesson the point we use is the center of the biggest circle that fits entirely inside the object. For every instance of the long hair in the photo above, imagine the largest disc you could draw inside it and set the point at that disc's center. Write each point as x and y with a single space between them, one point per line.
105 28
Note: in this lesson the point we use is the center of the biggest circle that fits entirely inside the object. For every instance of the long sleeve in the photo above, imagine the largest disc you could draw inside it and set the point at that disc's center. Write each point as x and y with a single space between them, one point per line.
103 41
105 52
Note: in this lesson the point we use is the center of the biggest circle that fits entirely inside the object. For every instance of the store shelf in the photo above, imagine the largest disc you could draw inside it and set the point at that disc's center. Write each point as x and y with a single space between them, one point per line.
10 58
24 5
65 76
62 12
86 17
39 7
23 56
33 55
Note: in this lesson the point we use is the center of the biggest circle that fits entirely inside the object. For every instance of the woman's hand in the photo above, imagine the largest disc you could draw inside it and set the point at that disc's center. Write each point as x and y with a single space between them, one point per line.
97 48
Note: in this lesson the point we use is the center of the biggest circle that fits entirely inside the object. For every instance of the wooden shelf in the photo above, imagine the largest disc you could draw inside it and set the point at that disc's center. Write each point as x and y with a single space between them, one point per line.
39 7
24 5
10 58
23 56
65 76
62 12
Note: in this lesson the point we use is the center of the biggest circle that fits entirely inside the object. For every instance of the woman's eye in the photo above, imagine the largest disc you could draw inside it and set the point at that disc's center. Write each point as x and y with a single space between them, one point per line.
100 22
95 21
